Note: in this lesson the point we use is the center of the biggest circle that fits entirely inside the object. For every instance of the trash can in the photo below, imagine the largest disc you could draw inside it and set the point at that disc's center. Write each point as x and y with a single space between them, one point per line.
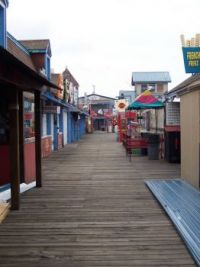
144 151
153 146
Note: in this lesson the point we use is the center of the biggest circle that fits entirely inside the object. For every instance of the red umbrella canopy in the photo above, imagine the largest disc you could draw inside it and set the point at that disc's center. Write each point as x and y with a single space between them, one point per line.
146 100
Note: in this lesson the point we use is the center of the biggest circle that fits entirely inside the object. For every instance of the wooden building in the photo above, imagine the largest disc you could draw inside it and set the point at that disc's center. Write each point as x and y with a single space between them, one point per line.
172 131
17 75
70 96
157 84
189 93
100 108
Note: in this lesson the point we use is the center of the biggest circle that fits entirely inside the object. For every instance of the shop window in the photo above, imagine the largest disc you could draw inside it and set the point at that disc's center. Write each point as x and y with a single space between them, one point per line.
29 120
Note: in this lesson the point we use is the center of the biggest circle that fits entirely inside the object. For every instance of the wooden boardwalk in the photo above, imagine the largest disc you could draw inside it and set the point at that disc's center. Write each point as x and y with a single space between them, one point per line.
93 210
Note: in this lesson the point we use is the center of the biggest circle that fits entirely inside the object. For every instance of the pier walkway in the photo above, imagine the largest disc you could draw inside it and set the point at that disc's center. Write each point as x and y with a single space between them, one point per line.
93 210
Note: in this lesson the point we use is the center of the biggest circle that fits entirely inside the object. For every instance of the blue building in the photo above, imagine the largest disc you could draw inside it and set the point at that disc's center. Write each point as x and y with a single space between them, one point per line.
75 117
129 95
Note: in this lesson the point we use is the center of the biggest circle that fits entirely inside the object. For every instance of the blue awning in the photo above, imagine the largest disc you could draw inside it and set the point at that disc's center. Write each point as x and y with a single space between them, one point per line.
55 100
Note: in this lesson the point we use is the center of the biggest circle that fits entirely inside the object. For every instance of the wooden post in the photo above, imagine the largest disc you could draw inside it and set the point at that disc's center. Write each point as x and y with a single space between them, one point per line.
21 135
38 146
156 119
14 149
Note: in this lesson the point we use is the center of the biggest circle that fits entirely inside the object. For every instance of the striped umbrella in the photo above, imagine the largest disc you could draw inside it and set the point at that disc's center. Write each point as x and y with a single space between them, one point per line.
145 101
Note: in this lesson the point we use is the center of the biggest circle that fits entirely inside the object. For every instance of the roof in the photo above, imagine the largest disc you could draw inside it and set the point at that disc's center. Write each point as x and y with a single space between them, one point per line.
54 77
16 62
99 96
18 51
150 77
191 82
67 75
35 45
51 97
4 2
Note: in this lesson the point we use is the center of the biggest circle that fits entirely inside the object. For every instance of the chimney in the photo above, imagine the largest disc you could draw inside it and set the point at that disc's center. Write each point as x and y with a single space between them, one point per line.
3 28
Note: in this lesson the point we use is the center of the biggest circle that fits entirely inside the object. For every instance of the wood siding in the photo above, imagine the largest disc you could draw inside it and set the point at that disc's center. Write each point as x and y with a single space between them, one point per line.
190 141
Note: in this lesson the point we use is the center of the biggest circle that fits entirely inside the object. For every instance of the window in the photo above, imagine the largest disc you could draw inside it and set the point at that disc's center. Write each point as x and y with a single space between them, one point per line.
143 87
152 87
48 67
160 88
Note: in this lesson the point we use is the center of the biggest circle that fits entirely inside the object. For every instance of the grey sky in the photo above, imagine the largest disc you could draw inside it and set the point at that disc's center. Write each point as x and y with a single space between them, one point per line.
103 41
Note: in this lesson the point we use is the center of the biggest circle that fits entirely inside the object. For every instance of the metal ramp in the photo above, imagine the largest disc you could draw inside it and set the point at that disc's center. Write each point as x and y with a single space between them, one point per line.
181 202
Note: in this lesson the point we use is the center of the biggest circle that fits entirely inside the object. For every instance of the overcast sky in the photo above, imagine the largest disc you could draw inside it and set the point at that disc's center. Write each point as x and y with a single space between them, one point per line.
103 41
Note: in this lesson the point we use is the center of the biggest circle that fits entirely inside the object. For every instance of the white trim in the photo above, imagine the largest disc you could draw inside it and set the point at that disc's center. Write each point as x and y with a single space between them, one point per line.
45 136
6 195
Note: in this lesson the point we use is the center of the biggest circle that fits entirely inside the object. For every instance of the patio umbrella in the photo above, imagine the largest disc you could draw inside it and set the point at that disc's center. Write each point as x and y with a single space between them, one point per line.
145 101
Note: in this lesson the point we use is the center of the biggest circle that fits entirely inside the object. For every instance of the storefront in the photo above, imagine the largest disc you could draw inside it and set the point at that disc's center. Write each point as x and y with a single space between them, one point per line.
12 148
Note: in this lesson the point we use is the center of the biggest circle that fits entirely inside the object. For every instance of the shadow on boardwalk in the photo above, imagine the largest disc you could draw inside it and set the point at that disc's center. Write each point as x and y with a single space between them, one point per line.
93 210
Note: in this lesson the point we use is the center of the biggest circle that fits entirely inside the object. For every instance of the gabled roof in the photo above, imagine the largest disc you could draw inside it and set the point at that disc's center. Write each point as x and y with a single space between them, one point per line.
55 77
67 75
150 77
17 54
15 62
20 52
37 45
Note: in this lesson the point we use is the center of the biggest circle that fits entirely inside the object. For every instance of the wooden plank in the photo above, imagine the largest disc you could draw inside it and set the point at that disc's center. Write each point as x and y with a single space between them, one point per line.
93 210
4 210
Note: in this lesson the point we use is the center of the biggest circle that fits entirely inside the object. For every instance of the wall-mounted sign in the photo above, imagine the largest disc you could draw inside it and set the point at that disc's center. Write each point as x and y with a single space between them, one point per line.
191 54
51 109
191 57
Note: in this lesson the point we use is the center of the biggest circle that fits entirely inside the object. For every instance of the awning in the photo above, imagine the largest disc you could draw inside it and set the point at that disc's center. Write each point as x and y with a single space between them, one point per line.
55 100
145 101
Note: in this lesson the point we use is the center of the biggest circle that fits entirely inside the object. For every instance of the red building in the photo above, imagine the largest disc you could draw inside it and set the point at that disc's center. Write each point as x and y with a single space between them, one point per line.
18 74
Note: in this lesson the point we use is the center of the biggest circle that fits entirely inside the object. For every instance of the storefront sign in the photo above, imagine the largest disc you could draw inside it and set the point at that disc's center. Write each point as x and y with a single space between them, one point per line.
191 57
51 109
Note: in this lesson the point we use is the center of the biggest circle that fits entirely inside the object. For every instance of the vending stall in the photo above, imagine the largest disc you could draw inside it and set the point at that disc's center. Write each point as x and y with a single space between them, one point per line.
146 139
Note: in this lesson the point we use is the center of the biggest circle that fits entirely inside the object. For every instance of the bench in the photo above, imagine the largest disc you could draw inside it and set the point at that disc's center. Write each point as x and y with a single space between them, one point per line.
181 202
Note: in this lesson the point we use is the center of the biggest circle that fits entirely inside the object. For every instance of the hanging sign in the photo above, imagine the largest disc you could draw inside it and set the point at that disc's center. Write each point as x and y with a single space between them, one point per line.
121 105
191 54
191 57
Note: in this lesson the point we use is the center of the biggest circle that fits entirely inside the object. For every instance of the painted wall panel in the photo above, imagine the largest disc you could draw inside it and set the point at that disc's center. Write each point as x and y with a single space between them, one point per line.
29 162
3 40
190 139
52 130
65 127
5 165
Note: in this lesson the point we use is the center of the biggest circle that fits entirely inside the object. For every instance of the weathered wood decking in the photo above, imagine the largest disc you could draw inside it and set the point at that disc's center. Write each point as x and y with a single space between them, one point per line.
93 210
